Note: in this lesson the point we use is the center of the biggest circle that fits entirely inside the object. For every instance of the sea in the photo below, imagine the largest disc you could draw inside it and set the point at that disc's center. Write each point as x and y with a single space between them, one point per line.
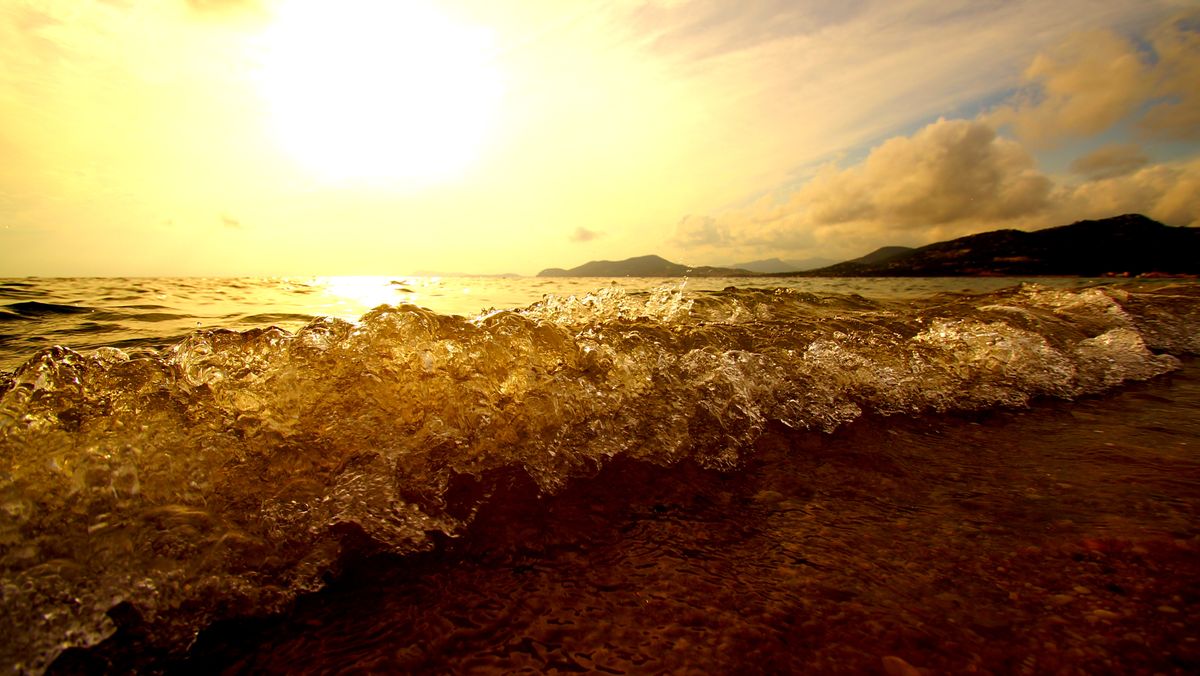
530 475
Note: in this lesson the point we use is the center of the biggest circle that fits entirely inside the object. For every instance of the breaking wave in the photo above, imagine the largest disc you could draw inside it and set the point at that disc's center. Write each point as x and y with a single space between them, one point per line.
226 474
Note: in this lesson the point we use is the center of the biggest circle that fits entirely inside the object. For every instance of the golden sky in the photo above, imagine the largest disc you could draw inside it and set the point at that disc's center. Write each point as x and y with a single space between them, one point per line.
227 137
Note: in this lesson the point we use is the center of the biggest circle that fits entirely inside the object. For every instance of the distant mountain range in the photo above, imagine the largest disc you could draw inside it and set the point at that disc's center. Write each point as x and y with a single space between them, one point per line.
881 255
1131 244
643 266
769 265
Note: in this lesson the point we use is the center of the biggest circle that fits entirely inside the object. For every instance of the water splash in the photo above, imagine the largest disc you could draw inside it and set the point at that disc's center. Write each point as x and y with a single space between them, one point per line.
229 472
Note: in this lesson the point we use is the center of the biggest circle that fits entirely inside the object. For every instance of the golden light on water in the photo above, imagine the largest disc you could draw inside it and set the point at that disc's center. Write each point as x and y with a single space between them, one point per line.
350 296
375 91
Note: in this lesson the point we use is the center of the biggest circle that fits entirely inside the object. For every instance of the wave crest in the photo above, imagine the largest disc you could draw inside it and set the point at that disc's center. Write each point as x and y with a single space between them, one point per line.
229 472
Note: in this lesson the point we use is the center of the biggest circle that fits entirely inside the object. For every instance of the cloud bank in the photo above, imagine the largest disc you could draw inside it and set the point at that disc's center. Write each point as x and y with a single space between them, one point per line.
1094 80
958 176
1110 161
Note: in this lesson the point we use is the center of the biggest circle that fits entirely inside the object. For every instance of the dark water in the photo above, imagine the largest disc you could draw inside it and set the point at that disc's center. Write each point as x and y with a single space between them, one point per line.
761 480
1004 542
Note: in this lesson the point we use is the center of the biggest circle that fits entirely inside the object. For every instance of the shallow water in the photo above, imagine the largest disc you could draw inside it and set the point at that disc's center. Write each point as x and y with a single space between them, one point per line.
660 479
1061 539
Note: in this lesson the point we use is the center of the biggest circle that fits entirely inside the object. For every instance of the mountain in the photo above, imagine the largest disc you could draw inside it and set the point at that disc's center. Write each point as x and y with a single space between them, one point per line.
769 265
1130 244
882 255
642 266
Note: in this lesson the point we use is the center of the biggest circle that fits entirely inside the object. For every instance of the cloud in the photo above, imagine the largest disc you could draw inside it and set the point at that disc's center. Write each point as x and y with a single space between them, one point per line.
710 28
700 231
947 178
950 178
1092 81
951 170
219 6
760 90
1166 192
1177 114
226 12
1080 88
582 234
959 176
1110 161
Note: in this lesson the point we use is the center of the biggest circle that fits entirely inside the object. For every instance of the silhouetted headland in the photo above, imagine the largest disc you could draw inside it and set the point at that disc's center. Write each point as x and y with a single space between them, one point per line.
1124 245
1128 245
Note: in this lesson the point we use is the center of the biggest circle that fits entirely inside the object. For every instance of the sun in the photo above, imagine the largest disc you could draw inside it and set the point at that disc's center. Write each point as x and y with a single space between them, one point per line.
378 90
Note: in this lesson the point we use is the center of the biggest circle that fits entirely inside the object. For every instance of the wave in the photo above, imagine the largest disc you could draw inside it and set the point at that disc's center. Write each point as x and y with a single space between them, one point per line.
33 308
14 289
225 474
148 317
271 317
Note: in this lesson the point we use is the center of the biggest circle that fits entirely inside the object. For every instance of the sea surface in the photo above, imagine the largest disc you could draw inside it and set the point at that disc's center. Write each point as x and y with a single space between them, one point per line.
87 313
496 475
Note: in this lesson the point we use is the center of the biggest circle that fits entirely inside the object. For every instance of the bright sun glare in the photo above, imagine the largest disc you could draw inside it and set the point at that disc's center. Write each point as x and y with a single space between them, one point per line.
379 90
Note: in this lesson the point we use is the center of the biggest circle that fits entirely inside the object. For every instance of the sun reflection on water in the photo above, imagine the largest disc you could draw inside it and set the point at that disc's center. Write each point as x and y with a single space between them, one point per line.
352 296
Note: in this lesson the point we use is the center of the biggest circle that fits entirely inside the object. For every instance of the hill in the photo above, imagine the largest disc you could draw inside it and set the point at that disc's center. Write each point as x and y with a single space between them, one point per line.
1132 244
642 266
882 255
769 265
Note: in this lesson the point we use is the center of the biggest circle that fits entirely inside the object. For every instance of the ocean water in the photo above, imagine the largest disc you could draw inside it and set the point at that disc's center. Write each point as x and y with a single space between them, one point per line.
85 314
507 474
